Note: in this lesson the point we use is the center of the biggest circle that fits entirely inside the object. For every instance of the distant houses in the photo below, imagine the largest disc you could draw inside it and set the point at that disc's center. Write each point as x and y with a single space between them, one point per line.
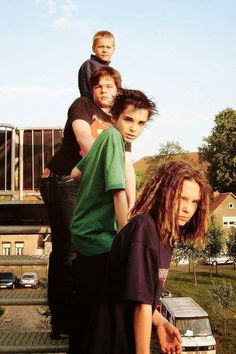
223 207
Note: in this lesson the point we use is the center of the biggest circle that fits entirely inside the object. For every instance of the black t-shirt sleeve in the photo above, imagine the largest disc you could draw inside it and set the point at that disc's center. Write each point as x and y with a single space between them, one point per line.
134 261
141 274
80 109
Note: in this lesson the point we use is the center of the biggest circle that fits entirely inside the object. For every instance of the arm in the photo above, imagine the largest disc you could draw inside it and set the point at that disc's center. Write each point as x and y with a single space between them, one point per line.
130 184
83 134
168 335
121 207
76 173
142 328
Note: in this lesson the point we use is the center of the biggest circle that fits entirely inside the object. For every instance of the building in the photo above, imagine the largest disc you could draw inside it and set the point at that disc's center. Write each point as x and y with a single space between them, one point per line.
223 207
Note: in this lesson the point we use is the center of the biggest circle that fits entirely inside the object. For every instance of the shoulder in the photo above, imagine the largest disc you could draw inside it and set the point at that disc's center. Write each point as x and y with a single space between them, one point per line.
81 103
145 221
111 133
141 228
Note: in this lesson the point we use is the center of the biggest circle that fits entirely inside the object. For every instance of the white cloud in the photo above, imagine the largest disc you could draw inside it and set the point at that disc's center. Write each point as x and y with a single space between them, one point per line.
68 7
61 22
52 7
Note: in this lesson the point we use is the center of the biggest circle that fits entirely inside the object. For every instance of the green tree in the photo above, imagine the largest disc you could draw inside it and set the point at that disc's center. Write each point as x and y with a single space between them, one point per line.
219 150
214 241
231 244
223 295
140 180
168 151
187 251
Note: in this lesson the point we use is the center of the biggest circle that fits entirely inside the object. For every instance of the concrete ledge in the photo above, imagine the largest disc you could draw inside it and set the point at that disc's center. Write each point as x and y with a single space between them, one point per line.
14 297
31 342
23 229
23 260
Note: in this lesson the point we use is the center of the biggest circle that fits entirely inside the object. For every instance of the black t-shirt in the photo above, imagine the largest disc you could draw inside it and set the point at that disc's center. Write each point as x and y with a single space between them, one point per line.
139 263
69 153
137 268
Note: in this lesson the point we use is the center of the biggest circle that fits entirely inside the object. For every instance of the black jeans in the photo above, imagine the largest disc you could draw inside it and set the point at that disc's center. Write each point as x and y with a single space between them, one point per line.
59 196
90 279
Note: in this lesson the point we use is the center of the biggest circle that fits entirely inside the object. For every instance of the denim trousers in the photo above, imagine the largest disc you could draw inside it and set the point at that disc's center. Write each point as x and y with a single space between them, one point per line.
59 196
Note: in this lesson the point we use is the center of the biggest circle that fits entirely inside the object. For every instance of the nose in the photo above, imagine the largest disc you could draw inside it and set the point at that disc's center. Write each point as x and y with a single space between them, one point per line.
133 127
187 207
103 89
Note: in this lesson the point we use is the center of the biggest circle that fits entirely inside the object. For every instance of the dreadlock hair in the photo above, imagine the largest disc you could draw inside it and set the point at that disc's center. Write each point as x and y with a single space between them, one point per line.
160 197
135 98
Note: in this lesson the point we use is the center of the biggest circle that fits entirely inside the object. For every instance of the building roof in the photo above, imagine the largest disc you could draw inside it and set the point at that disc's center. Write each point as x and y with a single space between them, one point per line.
219 198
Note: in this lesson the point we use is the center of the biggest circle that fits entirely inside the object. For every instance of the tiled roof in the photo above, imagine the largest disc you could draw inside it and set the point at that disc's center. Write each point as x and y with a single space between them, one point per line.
218 199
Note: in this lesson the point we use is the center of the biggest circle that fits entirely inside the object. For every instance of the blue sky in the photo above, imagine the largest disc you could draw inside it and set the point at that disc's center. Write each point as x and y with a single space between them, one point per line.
179 52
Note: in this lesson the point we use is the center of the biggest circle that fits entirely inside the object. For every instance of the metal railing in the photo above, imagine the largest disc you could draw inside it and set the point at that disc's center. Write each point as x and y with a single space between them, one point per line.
24 153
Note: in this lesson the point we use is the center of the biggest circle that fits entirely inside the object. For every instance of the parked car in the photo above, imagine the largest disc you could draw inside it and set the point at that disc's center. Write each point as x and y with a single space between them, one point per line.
166 293
221 259
29 280
7 280
192 322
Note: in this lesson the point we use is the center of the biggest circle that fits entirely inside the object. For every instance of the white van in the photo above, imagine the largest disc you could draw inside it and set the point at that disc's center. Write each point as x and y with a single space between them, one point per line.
192 322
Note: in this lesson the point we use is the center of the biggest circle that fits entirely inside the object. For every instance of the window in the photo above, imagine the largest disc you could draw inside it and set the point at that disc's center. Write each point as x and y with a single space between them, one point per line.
231 206
229 221
19 247
6 248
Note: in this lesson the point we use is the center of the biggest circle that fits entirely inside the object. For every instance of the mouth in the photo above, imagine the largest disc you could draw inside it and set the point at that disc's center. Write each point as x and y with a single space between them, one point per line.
130 137
183 218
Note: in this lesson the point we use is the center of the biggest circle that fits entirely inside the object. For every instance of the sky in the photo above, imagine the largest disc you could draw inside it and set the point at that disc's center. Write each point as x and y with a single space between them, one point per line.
181 53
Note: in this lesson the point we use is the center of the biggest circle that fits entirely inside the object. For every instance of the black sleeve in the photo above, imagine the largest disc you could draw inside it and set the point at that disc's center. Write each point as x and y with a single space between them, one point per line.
81 108
84 75
141 274
139 257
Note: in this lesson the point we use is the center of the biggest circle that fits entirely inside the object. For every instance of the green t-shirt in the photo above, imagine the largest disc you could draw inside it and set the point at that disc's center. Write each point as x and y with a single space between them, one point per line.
93 225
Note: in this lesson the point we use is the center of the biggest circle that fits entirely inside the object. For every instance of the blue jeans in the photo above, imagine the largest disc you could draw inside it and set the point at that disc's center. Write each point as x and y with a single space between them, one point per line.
59 196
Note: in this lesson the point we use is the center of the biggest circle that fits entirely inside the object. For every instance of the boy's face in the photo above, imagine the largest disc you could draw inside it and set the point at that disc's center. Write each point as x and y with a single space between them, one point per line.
189 200
104 48
104 92
131 123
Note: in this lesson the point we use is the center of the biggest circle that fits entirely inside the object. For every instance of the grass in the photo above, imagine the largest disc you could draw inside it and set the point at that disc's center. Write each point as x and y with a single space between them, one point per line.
181 283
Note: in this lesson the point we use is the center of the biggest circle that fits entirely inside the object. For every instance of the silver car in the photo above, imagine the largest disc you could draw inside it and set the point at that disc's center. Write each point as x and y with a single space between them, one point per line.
29 280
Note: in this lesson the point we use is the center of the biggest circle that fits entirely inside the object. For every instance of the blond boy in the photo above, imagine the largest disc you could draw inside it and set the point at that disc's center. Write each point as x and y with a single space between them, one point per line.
103 48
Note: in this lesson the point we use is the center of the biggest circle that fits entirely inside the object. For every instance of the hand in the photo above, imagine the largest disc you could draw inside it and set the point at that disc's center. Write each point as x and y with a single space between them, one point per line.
169 338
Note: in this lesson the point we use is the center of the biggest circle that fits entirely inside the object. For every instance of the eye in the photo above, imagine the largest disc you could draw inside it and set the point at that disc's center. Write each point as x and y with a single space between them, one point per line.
142 123
128 119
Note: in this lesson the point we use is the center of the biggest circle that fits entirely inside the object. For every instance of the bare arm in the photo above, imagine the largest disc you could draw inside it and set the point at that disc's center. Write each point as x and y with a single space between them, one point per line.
142 328
168 335
130 184
83 134
121 207
76 173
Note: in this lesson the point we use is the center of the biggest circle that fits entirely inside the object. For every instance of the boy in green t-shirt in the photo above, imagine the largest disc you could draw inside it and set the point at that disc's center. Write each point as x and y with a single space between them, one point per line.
101 202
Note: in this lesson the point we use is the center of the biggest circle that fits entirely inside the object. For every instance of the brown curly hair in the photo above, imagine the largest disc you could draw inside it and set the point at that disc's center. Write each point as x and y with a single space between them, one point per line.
161 195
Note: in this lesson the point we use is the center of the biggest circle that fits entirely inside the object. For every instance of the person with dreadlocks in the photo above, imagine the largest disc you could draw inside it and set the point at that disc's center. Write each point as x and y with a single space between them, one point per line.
173 206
